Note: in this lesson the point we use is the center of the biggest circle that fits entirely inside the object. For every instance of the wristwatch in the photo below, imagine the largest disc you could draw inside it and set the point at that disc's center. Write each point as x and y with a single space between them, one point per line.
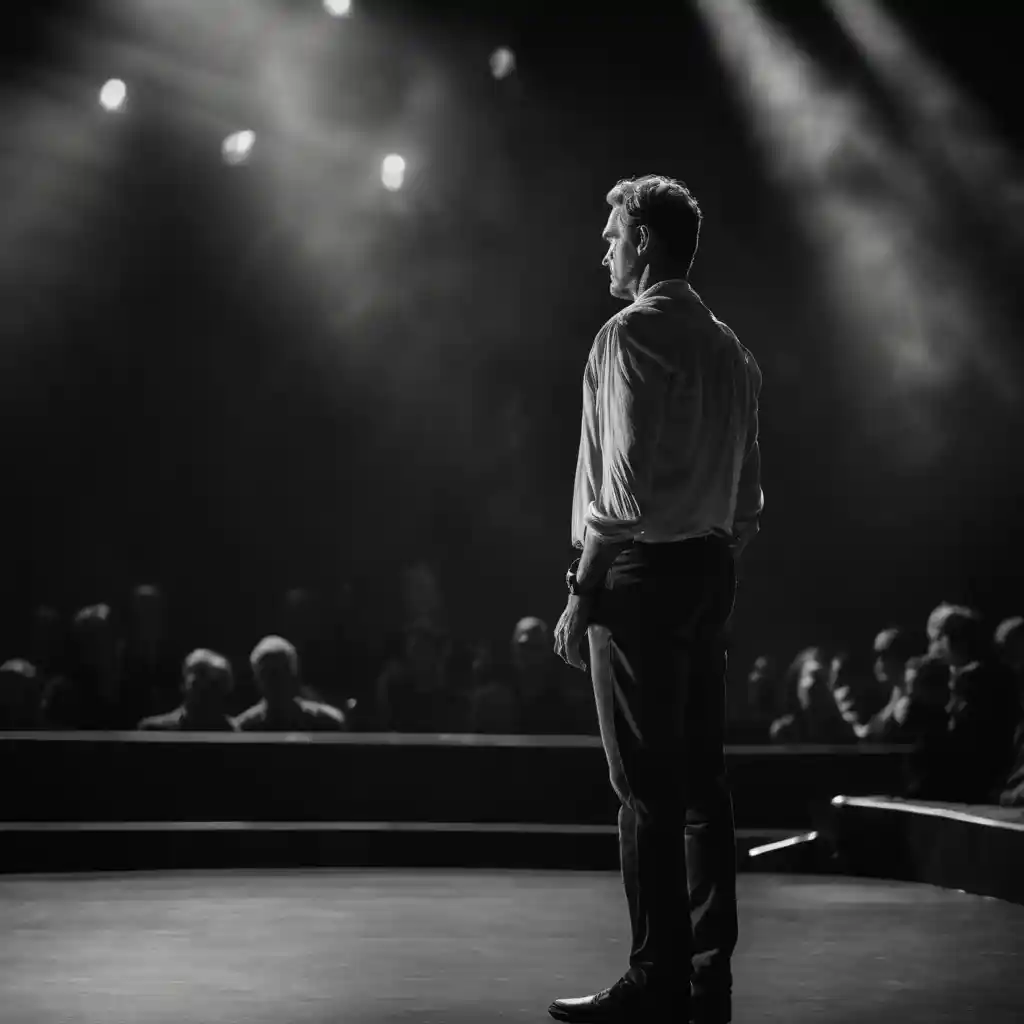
572 583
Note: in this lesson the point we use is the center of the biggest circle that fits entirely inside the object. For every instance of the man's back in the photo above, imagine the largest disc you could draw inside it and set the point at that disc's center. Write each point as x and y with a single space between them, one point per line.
670 442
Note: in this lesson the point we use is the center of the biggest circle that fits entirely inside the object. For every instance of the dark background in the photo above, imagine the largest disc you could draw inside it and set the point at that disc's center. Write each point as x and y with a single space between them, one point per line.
232 380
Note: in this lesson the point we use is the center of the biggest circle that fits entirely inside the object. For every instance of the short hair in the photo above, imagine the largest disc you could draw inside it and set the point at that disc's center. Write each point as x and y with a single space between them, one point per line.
961 626
932 673
92 615
665 206
273 645
527 626
1009 631
218 667
896 643
19 668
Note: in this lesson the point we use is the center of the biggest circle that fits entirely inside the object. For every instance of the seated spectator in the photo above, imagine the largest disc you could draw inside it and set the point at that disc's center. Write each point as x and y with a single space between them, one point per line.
1009 648
48 646
303 626
893 647
206 681
817 719
535 694
93 695
275 667
972 763
418 692
760 704
1009 643
922 718
149 669
21 695
858 694
922 712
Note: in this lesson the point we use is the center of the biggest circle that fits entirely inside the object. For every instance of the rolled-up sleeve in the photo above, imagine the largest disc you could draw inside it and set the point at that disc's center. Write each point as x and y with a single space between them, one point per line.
749 496
635 391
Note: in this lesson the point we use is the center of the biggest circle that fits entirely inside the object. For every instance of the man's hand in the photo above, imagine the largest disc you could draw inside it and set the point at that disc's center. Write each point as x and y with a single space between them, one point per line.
571 631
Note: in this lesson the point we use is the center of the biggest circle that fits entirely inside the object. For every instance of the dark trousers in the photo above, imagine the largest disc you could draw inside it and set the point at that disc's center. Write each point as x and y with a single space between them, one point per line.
658 661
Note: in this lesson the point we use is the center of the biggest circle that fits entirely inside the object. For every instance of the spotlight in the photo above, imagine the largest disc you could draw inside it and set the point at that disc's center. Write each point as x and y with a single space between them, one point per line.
503 62
236 148
113 95
338 8
392 172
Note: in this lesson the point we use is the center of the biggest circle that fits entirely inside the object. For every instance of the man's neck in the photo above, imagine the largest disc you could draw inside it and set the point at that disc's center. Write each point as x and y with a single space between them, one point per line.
656 275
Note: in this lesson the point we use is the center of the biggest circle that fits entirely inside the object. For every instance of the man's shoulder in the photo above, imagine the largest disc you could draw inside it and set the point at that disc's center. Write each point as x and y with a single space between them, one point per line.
168 720
256 713
322 712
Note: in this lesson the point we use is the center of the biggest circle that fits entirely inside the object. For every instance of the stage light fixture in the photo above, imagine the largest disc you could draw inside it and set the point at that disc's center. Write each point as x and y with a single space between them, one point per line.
503 62
392 172
338 8
113 95
237 147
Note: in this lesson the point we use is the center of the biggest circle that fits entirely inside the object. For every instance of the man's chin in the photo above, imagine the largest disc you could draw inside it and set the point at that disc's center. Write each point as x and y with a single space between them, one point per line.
619 291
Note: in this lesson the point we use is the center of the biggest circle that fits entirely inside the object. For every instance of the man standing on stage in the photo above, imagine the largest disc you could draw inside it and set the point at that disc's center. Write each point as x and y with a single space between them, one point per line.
667 495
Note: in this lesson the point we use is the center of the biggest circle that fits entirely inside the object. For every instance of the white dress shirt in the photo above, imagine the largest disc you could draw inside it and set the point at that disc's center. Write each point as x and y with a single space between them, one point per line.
668 443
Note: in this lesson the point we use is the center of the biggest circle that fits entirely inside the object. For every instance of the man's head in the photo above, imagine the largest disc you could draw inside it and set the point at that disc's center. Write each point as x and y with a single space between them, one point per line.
206 677
1009 643
427 649
956 634
926 679
812 682
148 614
761 683
275 666
531 643
21 694
95 640
652 230
893 646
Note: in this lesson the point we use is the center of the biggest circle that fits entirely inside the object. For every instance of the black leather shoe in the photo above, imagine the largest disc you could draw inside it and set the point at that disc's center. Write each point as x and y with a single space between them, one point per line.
623 1003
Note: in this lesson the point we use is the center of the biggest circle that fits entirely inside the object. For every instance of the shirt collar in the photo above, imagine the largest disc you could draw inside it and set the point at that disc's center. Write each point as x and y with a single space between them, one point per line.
669 285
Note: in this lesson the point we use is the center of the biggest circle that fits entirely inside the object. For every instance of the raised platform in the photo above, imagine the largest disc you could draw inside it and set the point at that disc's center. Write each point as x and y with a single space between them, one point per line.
388 777
186 845
978 849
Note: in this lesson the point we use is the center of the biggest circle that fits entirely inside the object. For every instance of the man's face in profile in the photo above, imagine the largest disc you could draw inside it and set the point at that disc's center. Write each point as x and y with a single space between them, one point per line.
621 259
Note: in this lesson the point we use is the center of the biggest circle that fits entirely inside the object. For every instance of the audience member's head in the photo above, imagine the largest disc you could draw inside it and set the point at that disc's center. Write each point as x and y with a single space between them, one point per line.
531 644
481 662
299 613
422 596
275 667
48 640
812 682
20 695
148 616
1009 644
926 680
427 651
95 644
892 647
762 685
957 634
206 679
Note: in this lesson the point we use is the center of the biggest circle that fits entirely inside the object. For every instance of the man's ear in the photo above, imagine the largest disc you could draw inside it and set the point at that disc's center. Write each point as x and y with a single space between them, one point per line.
643 239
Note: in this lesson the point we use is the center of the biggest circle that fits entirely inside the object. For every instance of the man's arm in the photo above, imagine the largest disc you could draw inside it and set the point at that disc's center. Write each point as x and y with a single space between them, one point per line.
636 391
596 560
749 496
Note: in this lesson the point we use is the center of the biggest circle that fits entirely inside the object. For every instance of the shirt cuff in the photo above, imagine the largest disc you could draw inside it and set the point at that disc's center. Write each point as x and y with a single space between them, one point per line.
607 528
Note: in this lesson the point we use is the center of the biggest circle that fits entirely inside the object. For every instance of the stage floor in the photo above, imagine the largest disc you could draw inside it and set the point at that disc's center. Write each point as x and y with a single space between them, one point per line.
445 946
